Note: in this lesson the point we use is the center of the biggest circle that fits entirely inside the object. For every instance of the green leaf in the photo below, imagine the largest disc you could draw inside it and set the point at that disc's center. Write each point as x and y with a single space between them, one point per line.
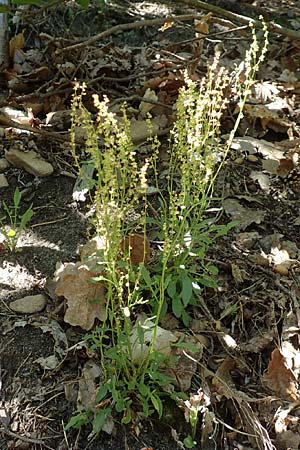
25 218
28 2
177 306
146 275
189 442
131 384
185 318
17 197
101 394
99 419
157 403
83 3
146 410
127 418
77 421
208 281
171 289
187 289
120 404
144 390
213 270
141 334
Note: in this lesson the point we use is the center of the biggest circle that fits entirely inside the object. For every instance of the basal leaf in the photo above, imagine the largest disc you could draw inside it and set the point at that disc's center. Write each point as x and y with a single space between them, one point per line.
177 306
187 289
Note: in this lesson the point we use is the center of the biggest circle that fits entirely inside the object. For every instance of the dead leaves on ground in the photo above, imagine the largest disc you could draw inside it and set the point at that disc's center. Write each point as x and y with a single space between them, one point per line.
85 300
247 305
280 376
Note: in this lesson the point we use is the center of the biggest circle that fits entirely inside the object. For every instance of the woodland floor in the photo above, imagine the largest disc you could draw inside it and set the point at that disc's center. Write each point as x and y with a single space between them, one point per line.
256 305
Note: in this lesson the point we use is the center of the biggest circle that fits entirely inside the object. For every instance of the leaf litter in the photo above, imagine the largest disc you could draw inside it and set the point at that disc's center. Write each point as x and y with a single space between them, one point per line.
244 378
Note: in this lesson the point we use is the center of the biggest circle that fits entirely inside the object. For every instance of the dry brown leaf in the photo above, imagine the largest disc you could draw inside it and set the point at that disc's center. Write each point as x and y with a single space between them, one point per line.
187 364
259 342
15 43
281 379
138 246
222 380
166 26
285 167
85 300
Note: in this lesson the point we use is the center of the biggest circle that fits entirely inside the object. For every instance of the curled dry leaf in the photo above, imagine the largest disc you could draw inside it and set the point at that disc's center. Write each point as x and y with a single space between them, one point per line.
85 300
281 379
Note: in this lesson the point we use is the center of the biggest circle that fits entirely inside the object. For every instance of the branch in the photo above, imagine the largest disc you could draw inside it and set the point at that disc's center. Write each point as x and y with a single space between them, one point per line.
273 27
129 26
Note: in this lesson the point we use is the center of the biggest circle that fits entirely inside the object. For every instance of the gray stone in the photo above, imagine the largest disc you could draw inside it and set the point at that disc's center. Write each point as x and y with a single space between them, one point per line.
4 164
30 161
3 181
29 304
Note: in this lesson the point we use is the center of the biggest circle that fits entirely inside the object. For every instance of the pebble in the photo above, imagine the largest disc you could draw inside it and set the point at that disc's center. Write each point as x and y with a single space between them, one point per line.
29 305
252 158
3 181
239 161
4 164
30 161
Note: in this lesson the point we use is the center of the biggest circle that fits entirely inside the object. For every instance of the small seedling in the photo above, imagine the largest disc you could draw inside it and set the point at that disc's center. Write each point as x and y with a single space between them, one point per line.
9 233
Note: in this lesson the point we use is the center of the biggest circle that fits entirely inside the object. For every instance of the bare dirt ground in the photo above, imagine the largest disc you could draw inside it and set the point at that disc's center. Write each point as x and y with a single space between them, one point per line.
257 305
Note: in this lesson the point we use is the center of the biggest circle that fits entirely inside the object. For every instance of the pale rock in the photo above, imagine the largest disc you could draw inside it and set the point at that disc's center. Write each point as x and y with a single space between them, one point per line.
139 130
29 304
3 181
30 161
4 164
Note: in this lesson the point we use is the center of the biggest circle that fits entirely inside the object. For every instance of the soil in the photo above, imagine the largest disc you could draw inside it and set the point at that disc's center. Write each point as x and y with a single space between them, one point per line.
34 404
33 401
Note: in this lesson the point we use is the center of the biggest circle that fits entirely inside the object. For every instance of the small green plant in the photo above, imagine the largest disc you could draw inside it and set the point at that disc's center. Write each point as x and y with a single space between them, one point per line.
9 233
138 292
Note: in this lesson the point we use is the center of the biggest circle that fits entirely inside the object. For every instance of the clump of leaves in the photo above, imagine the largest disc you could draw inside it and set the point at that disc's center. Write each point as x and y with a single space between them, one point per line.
10 232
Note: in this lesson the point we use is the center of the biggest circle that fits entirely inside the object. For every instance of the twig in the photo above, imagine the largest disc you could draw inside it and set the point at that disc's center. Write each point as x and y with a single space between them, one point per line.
40 224
23 438
11 123
129 26
274 27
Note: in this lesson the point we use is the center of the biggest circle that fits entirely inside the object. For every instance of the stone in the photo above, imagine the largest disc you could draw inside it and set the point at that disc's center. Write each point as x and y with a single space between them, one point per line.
3 181
29 305
31 161
4 164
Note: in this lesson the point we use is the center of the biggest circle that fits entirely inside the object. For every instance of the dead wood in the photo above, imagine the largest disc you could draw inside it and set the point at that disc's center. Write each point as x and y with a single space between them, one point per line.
129 26
272 26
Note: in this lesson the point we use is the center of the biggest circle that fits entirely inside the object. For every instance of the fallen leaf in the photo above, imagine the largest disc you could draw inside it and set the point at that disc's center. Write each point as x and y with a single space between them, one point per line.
138 247
145 107
85 300
187 363
245 216
15 43
280 379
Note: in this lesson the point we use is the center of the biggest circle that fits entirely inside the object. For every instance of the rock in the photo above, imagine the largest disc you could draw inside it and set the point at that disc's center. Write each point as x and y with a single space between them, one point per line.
30 161
3 164
3 181
29 304
139 130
